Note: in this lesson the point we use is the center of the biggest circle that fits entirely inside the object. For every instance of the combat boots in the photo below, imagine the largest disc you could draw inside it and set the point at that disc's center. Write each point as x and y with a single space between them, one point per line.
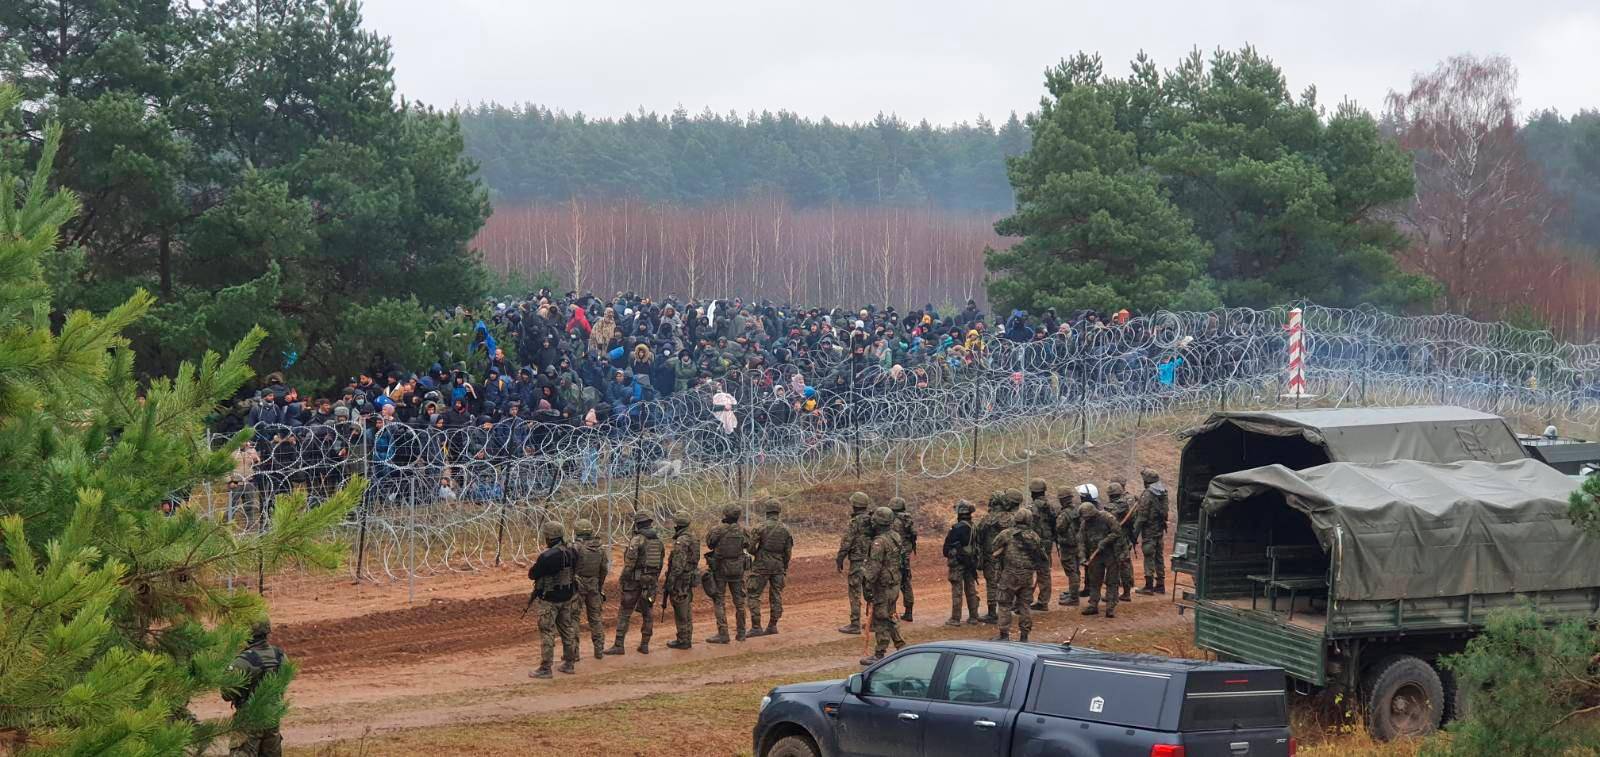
1126 597
973 620
1149 586
1002 636
953 622
1083 592
616 650
599 653
1039 606
721 638
755 630
772 628
542 672
1022 636
675 644
1111 612
1161 589
1091 610
907 616
852 628
872 659
742 635
569 667
644 647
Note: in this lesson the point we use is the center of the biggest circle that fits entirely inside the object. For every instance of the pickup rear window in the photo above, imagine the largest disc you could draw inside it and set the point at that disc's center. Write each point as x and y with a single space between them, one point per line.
1215 701
1102 694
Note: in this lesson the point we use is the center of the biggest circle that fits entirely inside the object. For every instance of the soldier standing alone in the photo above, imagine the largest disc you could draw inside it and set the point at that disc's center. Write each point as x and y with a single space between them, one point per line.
882 576
1044 524
1018 551
853 546
641 575
1150 521
907 529
257 661
960 555
771 546
725 557
555 588
682 566
1067 542
594 563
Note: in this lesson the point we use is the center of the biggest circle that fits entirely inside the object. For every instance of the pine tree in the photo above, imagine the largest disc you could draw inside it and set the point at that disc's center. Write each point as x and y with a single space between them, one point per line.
112 617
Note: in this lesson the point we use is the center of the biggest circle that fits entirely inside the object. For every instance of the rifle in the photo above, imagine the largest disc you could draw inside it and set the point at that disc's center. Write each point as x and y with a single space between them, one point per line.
1120 524
533 596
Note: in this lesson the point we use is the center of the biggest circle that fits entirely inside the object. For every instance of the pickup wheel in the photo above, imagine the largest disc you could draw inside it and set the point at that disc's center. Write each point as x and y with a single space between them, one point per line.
793 746
1402 696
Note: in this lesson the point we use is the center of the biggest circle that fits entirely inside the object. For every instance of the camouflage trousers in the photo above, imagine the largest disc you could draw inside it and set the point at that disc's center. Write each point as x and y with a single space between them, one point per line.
256 744
1153 555
1041 575
1071 565
1102 571
763 583
683 615
1016 591
906 593
854 584
640 598
963 586
558 618
885 622
1126 574
991 583
731 586
592 605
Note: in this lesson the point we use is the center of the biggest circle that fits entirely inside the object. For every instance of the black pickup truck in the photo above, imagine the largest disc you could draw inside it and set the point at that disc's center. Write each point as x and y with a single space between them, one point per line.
962 699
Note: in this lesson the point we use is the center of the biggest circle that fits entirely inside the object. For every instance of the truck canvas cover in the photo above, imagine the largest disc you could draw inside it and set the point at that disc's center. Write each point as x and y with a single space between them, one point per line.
1439 433
1412 529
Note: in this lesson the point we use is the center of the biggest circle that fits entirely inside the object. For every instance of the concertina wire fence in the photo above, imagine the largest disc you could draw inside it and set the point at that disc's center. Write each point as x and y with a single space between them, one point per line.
1019 402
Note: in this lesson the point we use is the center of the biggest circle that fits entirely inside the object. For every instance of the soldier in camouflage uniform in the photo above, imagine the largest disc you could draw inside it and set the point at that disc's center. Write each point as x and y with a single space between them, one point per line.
683 567
907 530
882 575
1018 551
854 546
725 559
1044 524
988 528
1067 543
641 575
1121 509
771 546
555 587
960 554
594 562
1150 522
1102 540
256 662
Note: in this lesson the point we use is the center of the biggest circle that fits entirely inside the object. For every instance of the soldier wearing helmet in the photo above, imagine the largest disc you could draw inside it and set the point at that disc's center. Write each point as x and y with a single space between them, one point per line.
725 558
999 518
594 563
853 546
682 567
1150 523
1121 508
1044 524
907 528
641 576
255 662
1017 551
881 574
554 575
961 559
1100 538
1067 543
771 546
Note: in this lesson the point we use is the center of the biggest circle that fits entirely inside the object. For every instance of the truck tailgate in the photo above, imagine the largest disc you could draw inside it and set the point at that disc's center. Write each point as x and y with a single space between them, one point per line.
1251 742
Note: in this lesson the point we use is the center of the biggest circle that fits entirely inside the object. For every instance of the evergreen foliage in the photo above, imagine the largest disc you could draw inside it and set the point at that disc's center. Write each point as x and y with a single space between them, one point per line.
112 617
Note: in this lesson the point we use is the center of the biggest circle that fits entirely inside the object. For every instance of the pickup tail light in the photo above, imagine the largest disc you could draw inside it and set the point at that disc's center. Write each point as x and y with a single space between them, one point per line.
1292 746
1168 750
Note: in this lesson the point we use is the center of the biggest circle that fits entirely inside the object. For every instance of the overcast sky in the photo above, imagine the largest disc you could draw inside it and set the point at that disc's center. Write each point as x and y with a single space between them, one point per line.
947 60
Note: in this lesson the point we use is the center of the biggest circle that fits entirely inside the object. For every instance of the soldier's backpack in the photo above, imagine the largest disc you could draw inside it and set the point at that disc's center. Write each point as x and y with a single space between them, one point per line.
730 552
650 556
591 559
262 663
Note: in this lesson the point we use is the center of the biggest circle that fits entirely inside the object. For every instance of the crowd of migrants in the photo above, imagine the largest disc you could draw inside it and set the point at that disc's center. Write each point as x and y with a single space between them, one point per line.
1009 550
587 366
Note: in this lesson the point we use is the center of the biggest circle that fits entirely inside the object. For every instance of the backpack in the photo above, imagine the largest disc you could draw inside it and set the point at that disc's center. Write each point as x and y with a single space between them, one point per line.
591 558
262 663
730 552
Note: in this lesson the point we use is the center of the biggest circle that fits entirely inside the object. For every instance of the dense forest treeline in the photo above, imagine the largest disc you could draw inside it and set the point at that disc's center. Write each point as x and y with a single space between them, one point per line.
531 153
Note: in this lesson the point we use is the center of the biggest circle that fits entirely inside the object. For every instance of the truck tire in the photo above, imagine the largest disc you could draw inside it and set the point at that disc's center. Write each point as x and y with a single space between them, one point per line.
1402 697
793 746
1458 702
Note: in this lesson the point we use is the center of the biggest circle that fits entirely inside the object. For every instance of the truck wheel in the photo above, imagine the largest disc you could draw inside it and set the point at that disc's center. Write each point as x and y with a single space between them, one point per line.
793 746
1402 696
1458 701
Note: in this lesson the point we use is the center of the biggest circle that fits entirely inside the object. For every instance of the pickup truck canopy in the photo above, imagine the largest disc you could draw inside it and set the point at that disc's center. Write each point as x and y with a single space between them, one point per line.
1413 529
1437 433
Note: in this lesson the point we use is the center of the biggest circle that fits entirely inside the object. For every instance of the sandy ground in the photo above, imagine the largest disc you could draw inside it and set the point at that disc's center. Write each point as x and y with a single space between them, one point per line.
460 651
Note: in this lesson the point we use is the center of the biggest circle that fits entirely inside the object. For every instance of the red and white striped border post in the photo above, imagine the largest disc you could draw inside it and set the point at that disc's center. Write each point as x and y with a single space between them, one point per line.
1296 386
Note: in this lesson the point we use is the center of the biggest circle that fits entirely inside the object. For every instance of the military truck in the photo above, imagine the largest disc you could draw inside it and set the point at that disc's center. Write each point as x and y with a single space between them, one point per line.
1297 439
1361 576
